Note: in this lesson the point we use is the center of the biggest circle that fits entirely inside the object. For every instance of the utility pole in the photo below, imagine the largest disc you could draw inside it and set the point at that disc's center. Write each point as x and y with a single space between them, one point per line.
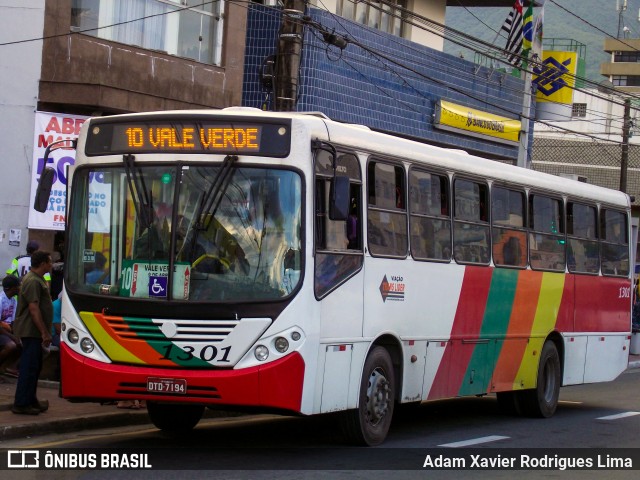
624 160
287 75
523 148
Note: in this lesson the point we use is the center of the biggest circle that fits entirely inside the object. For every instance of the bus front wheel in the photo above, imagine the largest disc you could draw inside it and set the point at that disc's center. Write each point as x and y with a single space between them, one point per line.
370 422
174 418
543 400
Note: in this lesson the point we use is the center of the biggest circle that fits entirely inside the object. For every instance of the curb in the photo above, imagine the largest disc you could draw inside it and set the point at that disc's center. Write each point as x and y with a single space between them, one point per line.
65 425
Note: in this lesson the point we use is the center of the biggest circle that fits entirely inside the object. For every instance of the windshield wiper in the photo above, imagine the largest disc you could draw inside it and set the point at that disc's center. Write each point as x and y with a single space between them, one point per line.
139 191
215 193
212 198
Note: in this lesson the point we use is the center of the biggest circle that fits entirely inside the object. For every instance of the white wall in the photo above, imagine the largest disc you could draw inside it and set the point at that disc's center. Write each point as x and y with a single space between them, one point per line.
604 118
19 74
433 10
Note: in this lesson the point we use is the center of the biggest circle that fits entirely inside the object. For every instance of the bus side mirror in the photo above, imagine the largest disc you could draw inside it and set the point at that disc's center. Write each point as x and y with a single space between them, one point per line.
339 198
43 191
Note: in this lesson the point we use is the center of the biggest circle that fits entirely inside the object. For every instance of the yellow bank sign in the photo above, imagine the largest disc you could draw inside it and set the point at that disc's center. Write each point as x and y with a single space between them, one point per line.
555 77
469 121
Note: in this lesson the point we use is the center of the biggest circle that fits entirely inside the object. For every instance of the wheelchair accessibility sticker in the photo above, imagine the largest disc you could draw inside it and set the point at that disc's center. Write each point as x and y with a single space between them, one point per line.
157 286
150 279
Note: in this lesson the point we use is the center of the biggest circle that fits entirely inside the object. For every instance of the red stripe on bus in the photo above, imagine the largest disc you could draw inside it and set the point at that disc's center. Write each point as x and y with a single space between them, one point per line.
466 325
602 304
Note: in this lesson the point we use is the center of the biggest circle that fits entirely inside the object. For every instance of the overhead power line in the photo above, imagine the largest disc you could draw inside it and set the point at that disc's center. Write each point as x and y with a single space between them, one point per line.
370 50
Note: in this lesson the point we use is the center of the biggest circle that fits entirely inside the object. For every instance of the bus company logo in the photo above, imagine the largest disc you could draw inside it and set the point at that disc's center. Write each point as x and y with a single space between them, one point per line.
392 290
23 459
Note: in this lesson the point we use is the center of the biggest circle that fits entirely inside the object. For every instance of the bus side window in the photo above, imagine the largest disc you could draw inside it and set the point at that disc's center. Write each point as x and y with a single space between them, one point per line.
614 248
471 227
338 242
386 212
582 238
429 221
508 236
546 240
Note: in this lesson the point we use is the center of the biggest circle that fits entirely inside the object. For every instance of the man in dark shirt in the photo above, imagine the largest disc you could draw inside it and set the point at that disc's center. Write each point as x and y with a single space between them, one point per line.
33 325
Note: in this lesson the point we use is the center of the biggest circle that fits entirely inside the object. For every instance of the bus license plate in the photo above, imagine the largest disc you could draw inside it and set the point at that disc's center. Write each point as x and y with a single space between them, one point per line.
166 385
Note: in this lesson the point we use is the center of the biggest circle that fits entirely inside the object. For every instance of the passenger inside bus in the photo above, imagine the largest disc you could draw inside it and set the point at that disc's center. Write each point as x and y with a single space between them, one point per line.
99 273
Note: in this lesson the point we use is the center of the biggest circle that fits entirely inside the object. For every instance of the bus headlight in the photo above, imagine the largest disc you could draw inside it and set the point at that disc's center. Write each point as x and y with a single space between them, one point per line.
261 352
282 344
73 336
87 345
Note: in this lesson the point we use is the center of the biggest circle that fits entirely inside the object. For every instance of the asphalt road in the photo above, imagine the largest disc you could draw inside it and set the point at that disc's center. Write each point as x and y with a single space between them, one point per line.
592 418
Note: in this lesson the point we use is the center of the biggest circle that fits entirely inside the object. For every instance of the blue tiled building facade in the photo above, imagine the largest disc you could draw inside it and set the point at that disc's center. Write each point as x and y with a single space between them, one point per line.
357 86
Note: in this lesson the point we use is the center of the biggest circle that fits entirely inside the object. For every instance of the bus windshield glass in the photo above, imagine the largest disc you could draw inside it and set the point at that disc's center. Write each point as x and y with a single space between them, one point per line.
230 233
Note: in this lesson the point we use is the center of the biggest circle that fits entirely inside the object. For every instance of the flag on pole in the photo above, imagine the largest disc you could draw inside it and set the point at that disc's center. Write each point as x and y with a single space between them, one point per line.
527 29
536 46
513 27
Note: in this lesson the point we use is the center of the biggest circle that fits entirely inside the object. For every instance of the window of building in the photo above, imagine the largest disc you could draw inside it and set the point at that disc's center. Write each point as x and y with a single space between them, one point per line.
579 110
546 240
380 15
626 57
471 222
164 25
430 223
509 238
614 249
387 213
582 238
625 80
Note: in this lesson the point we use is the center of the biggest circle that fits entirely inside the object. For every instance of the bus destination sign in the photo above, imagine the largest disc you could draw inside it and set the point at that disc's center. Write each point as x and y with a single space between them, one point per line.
188 136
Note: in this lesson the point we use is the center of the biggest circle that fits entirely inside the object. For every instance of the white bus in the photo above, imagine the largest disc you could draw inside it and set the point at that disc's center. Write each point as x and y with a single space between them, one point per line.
286 262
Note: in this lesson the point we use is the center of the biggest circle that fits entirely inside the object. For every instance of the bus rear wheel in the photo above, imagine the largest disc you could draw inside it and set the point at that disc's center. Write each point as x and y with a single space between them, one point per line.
369 424
174 418
542 401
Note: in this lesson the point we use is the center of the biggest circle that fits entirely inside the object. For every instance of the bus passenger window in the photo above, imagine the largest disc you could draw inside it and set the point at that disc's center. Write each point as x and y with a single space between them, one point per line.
429 221
615 243
470 227
582 240
386 214
508 236
546 240
338 242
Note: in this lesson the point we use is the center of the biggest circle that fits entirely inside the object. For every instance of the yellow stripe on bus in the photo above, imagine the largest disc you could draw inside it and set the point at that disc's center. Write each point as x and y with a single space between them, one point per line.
547 309
112 348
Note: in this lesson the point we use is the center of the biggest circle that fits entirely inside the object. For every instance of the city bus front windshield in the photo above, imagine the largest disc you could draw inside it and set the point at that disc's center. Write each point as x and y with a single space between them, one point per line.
230 234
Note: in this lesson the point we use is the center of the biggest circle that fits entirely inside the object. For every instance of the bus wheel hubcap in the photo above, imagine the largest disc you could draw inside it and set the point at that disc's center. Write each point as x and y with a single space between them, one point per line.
377 396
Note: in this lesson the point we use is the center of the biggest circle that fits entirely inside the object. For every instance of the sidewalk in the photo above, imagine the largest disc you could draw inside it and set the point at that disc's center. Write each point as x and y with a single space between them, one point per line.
64 416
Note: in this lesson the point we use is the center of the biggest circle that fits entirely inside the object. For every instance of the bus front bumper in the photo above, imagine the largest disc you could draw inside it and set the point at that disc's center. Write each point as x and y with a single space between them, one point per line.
273 385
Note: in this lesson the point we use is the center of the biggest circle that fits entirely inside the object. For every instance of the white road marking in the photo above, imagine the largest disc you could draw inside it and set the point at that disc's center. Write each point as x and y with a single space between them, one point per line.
619 416
474 441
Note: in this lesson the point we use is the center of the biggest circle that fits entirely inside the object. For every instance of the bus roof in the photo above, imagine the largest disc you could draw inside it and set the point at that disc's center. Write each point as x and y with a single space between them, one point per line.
362 138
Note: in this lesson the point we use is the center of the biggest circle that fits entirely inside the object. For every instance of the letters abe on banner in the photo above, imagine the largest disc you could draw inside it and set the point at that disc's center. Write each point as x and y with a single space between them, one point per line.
49 128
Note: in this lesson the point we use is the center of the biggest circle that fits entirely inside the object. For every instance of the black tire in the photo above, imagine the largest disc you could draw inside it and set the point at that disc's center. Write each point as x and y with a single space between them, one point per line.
369 424
174 418
542 401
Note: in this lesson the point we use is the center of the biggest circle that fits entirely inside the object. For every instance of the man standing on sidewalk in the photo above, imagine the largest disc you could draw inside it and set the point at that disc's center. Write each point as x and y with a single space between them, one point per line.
33 326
